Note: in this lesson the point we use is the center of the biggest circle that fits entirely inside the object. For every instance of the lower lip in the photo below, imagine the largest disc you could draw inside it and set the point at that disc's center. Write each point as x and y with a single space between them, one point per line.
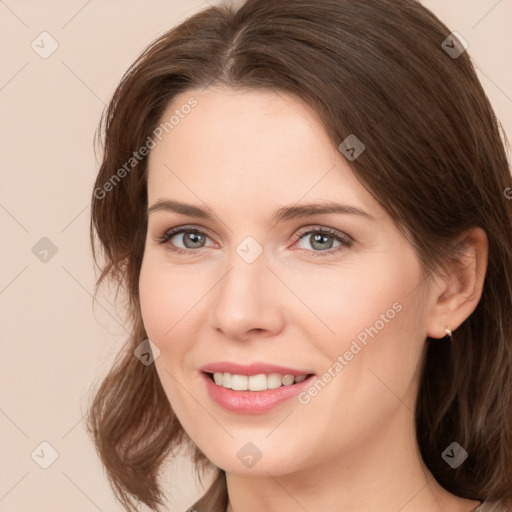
252 402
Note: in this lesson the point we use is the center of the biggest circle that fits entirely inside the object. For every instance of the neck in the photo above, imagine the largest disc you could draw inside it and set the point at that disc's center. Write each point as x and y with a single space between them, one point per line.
384 472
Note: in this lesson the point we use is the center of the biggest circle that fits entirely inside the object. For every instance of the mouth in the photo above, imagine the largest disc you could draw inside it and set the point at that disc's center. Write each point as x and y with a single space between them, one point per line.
258 382
254 389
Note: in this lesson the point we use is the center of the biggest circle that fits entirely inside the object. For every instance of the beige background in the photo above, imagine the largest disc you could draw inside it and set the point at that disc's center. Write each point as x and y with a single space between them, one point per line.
54 346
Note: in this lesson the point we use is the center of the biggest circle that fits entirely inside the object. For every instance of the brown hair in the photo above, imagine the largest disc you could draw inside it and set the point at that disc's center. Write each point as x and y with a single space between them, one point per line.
434 160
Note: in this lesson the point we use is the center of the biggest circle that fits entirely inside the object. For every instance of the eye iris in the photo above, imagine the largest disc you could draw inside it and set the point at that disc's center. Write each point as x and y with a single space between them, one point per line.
321 238
194 237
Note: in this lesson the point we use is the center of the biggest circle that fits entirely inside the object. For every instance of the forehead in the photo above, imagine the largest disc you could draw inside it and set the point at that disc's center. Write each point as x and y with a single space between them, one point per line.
231 123
247 147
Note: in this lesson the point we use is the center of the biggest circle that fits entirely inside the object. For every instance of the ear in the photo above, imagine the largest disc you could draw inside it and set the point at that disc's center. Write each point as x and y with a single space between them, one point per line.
457 292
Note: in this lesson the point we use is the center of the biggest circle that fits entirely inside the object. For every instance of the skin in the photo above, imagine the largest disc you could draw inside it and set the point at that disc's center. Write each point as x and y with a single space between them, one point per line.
245 153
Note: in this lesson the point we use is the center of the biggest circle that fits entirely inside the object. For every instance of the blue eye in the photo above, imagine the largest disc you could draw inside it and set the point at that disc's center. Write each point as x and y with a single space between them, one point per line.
320 238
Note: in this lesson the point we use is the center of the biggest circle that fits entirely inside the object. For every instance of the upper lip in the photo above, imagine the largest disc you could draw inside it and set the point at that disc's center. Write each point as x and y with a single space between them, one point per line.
255 368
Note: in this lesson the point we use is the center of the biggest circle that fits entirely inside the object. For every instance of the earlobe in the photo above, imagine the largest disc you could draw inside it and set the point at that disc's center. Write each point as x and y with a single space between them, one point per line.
459 289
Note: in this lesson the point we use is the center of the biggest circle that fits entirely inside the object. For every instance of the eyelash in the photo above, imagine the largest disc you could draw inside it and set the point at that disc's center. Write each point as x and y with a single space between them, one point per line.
345 240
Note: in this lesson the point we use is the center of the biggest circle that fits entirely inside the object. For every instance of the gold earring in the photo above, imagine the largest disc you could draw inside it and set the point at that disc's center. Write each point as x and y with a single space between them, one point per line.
448 333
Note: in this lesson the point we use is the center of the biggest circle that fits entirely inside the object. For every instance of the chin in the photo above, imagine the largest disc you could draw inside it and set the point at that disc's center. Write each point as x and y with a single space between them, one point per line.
253 458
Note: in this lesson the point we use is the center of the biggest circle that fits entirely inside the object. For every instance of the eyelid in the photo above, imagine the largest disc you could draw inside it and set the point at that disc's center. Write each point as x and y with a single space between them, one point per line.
346 241
171 232
318 228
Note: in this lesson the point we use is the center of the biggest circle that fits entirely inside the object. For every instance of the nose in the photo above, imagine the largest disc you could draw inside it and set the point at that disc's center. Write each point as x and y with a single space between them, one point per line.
247 301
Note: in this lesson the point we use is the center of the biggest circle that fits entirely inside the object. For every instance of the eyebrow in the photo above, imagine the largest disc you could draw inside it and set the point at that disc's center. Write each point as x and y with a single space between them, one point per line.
281 214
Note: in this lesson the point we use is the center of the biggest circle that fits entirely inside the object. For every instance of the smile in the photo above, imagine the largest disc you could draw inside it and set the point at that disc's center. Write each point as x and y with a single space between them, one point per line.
255 388
259 382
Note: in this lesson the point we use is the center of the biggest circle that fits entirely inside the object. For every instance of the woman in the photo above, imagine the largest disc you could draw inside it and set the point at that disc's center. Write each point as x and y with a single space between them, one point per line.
307 203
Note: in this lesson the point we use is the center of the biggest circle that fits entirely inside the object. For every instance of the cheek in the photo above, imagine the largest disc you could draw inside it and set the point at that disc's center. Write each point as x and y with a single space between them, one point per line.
153 301
371 318
167 297
355 300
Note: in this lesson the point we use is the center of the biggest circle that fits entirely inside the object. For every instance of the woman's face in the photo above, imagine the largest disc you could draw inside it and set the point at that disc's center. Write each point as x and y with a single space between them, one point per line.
262 281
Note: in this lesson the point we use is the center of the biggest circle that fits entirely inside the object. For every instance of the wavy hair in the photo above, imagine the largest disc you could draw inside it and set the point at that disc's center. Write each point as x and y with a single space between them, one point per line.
435 160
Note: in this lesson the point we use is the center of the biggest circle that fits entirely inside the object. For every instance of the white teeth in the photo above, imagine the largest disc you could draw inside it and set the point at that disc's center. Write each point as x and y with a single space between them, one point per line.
274 381
259 382
226 380
239 382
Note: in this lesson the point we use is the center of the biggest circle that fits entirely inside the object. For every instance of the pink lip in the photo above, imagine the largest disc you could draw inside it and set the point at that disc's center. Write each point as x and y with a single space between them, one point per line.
252 402
251 369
